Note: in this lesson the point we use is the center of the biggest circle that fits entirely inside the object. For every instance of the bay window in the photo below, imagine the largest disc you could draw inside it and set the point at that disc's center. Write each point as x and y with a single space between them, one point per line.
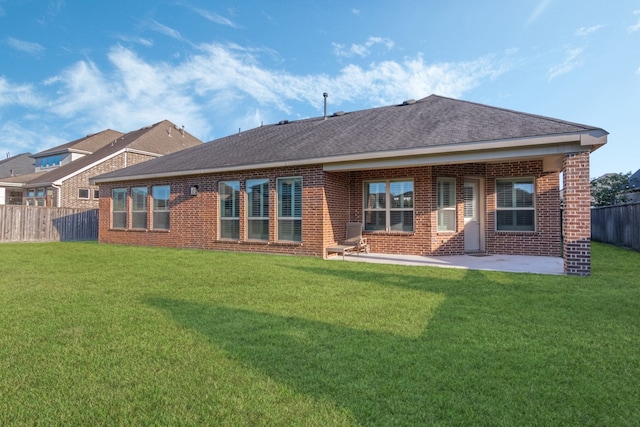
139 207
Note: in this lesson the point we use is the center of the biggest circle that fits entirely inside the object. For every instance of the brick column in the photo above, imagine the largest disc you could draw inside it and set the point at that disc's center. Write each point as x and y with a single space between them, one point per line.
576 220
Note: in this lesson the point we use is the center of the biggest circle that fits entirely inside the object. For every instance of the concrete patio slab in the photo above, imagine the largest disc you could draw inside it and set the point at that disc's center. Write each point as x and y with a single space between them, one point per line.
507 263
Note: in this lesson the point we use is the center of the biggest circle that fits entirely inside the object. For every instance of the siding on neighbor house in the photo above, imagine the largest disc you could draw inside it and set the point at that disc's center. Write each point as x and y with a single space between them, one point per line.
71 186
330 200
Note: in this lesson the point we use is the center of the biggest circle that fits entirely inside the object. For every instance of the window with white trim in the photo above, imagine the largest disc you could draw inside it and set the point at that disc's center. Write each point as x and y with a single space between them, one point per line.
96 194
515 204
258 209
83 193
161 195
388 205
139 207
229 195
119 208
289 209
446 194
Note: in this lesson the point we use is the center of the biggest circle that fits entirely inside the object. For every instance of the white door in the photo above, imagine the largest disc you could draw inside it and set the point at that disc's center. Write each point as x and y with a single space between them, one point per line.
471 216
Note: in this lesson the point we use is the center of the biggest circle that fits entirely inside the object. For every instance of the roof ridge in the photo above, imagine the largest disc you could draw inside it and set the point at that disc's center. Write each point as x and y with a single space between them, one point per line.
509 110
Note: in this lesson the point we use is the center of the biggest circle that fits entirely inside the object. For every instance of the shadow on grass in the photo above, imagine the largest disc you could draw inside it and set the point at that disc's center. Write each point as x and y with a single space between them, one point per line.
380 378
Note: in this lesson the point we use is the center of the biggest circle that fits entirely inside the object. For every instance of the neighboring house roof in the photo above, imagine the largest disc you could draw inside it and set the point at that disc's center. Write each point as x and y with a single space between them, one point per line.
85 145
19 180
634 181
156 140
17 165
425 127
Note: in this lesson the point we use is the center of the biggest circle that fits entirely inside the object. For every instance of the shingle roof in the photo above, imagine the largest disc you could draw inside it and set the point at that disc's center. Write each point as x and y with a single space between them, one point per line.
87 144
17 165
429 122
161 138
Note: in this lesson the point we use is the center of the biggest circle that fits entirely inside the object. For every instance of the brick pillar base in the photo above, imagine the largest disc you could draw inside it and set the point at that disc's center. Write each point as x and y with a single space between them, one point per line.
576 219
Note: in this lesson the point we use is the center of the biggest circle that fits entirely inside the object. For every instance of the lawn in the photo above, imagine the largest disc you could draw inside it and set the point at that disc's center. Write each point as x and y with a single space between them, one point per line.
112 335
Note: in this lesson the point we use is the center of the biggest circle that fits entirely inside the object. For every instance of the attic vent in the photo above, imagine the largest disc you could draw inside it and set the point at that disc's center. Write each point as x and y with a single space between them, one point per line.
283 122
338 113
409 102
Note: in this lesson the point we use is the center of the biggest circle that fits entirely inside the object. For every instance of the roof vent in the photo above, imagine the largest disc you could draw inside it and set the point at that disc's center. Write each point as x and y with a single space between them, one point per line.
409 102
283 122
338 113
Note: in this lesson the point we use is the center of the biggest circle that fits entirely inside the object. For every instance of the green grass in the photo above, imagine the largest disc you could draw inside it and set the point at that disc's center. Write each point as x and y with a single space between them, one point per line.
112 335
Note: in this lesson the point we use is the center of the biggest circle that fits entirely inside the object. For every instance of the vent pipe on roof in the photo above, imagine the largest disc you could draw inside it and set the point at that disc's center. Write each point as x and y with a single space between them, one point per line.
325 95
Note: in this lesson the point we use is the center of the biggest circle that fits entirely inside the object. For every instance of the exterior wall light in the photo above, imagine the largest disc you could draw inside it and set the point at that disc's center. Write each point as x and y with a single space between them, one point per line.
193 190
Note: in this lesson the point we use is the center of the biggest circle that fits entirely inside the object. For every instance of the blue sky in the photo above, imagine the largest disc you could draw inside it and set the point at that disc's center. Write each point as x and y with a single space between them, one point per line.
71 68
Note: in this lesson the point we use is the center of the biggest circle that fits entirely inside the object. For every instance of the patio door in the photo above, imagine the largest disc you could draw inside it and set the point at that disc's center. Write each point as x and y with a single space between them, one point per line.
472 216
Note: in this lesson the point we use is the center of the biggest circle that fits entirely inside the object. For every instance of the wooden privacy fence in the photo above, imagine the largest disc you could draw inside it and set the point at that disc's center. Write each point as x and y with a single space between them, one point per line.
38 224
618 225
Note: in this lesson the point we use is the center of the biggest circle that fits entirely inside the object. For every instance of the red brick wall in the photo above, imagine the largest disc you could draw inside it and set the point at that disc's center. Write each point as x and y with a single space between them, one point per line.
577 215
545 240
194 219
330 200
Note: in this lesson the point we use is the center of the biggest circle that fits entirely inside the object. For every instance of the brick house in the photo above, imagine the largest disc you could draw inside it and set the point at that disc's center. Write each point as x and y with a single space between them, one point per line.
61 176
429 177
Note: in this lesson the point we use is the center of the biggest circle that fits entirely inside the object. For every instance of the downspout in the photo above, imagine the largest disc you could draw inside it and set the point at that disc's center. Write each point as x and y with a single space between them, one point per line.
59 192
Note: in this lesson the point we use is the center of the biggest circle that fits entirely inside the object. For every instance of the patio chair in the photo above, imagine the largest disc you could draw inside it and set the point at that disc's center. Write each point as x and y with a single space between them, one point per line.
353 242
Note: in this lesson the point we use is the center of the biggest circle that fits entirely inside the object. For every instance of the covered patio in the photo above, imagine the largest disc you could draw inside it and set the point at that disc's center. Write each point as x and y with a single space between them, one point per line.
505 263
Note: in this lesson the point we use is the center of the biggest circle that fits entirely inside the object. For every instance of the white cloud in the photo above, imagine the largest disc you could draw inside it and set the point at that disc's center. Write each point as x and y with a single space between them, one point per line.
12 94
221 88
215 18
24 46
355 11
572 61
539 9
361 50
585 31
167 31
635 27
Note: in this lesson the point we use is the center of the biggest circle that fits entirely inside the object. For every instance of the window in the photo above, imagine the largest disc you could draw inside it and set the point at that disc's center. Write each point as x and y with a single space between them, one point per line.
290 209
119 208
515 210
139 207
388 206
83 193
229 194
161 195
446 194
258 209
96 194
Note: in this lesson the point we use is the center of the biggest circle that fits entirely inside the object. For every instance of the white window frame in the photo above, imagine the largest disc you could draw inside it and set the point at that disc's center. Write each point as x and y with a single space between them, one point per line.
296 206
373 206
514 206
159 208
141 211
123 211
444 209
262 217
88 194
229 210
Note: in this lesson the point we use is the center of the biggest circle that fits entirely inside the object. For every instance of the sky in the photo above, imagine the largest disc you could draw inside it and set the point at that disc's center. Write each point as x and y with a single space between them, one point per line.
73 68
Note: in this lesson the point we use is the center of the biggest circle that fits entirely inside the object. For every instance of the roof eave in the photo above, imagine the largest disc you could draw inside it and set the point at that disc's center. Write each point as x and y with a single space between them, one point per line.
593 137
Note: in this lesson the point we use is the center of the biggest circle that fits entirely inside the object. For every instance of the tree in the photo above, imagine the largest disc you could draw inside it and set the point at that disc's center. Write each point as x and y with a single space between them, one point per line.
609 189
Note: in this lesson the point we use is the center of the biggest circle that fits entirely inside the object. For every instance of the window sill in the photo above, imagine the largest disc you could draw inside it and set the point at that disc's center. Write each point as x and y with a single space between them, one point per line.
388 233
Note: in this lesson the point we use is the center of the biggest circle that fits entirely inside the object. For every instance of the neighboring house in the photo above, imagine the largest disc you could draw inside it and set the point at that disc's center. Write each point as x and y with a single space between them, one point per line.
62 174
633 192
12 167
437 176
